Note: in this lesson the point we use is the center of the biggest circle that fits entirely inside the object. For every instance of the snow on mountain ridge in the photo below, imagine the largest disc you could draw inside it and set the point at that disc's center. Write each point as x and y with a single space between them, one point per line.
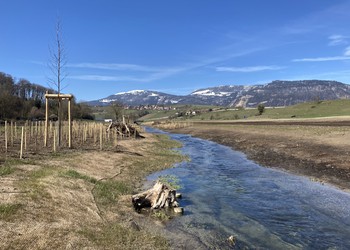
208 92
133 92
107 100
203 92
276 93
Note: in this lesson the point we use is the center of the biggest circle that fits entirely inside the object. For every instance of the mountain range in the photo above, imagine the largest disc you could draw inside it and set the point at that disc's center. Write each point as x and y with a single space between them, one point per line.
274 94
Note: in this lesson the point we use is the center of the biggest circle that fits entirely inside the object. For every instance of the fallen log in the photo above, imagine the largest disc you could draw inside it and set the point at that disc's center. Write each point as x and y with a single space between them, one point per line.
160 196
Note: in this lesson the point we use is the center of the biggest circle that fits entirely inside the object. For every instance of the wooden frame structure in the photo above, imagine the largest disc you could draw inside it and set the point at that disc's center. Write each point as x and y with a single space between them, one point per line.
60 97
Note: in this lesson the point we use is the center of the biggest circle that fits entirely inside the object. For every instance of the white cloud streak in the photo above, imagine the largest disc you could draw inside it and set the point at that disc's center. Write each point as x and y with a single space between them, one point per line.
335 40
319 22
139 73
104 78
248 69
346 56
115 66
134 78
347 51
323 59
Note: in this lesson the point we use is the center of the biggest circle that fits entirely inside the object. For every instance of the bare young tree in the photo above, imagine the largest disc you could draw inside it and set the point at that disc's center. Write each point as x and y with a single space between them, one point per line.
57 63
117 108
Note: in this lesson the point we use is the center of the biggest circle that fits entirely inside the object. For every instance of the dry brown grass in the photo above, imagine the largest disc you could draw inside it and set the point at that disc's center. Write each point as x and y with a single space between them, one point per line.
169 124
81 199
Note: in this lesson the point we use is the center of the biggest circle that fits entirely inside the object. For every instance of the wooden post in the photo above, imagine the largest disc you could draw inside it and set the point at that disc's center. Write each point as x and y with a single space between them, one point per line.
50 130
36 135
11 130
46 119
15 130
22 139
25 137
101 137
115 138
94 133
31 130
54 140
6 136
69 124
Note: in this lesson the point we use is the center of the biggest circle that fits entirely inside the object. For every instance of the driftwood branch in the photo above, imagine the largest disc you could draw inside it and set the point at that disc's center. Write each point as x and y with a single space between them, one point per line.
125 129
160 196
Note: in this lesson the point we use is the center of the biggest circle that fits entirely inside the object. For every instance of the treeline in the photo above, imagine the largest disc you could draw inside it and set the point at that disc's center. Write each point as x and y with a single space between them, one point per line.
25 100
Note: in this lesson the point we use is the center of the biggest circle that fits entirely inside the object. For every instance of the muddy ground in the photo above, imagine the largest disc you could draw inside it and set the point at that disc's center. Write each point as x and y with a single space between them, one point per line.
317 149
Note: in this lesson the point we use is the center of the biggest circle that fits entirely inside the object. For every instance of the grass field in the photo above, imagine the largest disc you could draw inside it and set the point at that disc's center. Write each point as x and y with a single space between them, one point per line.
81 198
302 110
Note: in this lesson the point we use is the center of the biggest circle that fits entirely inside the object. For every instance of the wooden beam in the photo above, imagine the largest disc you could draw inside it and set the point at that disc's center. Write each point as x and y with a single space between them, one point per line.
46 120
61 96
69 125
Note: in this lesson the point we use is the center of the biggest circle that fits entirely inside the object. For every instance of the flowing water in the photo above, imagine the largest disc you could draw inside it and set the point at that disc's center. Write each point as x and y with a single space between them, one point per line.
226 194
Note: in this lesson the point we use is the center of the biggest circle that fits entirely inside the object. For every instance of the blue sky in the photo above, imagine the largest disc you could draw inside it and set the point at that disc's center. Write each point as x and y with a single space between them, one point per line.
176 46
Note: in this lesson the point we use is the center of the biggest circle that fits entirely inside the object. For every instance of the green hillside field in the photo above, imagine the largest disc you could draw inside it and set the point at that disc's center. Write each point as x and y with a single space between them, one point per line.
302 110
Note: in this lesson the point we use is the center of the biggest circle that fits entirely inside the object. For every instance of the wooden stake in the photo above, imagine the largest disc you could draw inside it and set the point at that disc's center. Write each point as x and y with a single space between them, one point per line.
11 129
36 135
69 125
50 130
31 130
101 137
22 139
115 138
85 132
6 136
54 140
25 138
46 119
95 137
15 130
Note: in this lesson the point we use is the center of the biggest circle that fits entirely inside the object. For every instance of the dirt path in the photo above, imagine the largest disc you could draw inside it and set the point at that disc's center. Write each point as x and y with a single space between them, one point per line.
320 152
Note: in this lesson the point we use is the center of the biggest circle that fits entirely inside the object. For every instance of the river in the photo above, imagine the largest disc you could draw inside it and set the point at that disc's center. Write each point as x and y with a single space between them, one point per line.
226 194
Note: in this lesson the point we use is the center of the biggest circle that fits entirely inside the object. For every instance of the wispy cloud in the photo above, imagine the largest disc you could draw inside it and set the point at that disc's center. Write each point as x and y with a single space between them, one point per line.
345 56
319 22
133 72
335 40
142 73
115 66
136 77
248 69
104 78
347 51
323 59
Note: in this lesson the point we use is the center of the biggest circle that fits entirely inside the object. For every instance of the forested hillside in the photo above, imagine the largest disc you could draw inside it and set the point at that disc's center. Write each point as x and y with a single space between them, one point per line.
25 100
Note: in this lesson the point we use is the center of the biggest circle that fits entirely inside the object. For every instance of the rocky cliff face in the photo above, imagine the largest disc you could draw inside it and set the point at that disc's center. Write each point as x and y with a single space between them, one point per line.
285 93
274 94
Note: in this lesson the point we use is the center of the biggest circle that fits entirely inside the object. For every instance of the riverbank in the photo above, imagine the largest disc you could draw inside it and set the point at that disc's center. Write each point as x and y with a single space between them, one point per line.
319 152
82 198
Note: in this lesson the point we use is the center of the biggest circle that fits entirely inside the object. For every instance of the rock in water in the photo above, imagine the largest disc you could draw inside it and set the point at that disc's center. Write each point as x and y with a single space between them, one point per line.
178 210
231 240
